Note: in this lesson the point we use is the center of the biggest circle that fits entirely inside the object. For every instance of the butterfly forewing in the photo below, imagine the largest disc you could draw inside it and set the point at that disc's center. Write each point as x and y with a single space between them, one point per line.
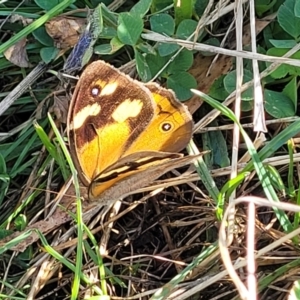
107 112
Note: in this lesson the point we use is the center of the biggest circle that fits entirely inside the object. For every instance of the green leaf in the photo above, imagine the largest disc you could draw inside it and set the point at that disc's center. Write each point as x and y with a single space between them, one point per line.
155 63
146 48
278 105
230 84
182 62
46 4
141 8
283 69
297 9
212 42
43 37
217 89
247 105
181 83
142 66
129 28
4 233
108 33
48 54
262 6
167 49
159 5
103 49
200 6
116 45
290 90
283 43
108 49
287 18
216 143
163 24
183 10
186 28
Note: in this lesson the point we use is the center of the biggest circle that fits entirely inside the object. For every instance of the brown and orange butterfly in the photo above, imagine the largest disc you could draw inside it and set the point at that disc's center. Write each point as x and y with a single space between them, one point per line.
124 134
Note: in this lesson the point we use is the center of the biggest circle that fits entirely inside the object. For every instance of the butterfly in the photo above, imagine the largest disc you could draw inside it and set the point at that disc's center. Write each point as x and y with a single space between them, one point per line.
124 134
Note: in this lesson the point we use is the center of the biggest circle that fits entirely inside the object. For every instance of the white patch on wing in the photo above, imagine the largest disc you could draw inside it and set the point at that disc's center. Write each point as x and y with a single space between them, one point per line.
127 109
81 116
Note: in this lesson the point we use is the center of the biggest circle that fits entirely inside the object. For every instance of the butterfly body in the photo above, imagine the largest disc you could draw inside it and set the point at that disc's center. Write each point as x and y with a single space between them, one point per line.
119 128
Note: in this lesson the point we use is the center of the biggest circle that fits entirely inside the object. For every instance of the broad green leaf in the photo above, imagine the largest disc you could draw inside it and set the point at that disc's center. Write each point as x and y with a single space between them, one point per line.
182 62
46 4
155 63
217 89
181 83
230 84
283 43
103 49
247 105
115 44
129 28
48 54
287 18
278 105
290 90
159 5
162 23
200 6
294 292
283 69
142 66
108 33
212 42
262 6
141 8
43 37
297 9
4 233
166 49
146 48
186 28
107 49
215 142
96 23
